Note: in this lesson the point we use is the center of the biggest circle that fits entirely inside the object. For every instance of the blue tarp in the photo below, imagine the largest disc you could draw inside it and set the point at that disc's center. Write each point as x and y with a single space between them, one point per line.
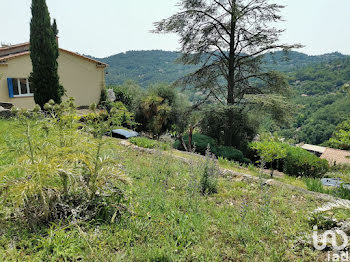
121 133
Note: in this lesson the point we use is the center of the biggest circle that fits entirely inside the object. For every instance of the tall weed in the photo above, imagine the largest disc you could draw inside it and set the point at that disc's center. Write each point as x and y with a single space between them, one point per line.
61 171
209 175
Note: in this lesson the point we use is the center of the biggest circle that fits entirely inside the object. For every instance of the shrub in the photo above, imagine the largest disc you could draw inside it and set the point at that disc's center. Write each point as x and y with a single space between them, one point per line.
342 192
59 172
300 162
148 143
229 153
208 182
315 185
199 141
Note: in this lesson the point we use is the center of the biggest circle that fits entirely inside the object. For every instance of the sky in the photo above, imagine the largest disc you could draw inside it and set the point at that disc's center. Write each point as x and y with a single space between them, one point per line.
107 27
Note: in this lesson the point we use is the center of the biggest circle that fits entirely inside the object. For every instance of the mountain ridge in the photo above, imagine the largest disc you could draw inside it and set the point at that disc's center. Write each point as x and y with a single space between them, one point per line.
147 67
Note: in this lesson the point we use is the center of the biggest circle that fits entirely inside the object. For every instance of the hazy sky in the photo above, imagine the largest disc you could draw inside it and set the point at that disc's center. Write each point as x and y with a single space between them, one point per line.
106 27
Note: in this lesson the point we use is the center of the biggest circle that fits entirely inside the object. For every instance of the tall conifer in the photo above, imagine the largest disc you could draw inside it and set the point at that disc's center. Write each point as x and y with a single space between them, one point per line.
44 79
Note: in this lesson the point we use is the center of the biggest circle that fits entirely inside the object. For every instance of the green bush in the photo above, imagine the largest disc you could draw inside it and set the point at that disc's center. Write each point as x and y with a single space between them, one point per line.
148 143
209 174
200 142
300 162
315 185
229 153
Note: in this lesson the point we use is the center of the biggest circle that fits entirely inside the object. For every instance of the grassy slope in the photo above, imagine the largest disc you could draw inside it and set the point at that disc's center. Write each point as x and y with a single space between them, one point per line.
170 221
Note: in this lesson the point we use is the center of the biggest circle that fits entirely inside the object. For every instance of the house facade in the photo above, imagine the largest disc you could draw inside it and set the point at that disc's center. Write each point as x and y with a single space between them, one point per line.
83 78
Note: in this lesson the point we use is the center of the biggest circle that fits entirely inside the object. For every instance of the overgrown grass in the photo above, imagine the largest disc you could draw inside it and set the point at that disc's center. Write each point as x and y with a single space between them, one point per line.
170 220
315 185
149 143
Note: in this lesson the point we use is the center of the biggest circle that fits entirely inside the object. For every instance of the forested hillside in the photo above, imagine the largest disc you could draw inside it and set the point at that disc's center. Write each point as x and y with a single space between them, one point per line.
318 89
147 67
315 80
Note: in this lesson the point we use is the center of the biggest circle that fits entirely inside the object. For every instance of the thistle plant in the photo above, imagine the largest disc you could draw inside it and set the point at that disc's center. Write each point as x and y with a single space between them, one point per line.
59 168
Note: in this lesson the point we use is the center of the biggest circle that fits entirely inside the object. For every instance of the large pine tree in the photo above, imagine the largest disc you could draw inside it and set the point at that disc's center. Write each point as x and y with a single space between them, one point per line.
44 79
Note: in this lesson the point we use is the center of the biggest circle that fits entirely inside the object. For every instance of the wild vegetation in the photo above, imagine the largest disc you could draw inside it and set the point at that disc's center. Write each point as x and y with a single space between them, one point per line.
193 185
189 207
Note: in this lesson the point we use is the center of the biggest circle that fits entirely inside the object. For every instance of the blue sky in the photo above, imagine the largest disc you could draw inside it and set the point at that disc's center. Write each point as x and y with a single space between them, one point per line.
106 27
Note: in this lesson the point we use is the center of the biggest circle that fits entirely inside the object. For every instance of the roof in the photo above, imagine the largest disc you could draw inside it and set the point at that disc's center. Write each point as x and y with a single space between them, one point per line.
13 46
336 156
318 149
121 133
10 55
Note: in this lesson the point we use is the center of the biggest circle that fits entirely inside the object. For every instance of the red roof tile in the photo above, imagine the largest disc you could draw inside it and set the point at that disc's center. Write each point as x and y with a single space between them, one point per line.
336 156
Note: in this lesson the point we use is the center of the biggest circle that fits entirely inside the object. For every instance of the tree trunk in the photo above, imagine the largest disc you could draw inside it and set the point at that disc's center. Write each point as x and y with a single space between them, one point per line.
231 81
190 135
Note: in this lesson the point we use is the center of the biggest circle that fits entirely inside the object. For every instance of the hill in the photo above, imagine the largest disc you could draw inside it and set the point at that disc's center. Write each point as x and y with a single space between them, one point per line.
148 67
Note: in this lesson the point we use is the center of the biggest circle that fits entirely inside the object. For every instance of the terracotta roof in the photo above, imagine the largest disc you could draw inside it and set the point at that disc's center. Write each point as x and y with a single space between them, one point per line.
336 156
12 56
13 46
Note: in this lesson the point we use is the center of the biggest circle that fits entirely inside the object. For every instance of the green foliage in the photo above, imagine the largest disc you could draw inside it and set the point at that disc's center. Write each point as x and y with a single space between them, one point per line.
199 142
229 153
315 185
117 115
159 109
300 162
44 79
148 143
322 78
341 136
270 149
319 118
164 209
145 67
208 182
103 97
59 173
129 93
149 67
245 126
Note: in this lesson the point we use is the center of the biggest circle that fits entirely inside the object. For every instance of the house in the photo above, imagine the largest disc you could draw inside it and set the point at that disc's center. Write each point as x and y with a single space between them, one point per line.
83 78
333 156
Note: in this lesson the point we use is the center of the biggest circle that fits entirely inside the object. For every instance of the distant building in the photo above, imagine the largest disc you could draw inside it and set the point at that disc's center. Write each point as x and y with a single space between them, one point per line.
83 78
333 156
336 156
317 150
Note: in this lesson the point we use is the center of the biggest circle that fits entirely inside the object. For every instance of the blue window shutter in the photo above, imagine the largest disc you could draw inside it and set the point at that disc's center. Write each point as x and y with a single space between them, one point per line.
10 86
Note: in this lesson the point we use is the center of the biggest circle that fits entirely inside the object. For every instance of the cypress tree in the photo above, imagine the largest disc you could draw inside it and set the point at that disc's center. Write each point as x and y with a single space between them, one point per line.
44 79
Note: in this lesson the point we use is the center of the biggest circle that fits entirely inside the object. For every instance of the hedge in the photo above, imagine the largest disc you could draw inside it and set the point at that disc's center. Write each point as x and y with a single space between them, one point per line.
300 162
229 153
201 143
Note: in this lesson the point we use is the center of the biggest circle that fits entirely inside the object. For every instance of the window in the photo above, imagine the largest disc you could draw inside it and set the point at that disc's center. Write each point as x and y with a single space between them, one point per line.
19 87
